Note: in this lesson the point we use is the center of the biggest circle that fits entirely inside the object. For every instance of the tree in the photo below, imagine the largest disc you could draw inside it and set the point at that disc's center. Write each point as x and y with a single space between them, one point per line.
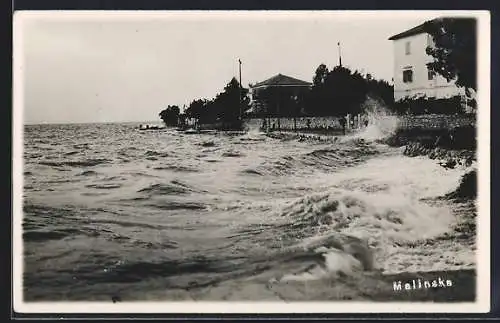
320 75
339 92
381 90
342 91
232 102
195 109
454 50
226 107
170 115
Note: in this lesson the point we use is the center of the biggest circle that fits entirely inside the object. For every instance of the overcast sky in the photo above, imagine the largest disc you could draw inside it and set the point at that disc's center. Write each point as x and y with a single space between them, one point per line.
110 67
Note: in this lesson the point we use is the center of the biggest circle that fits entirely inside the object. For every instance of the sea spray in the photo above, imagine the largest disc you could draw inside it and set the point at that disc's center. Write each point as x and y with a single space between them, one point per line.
382 123
253 129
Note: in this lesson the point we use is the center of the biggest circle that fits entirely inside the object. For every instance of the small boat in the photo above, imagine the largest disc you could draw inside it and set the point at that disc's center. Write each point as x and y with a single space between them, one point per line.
150 127
191 131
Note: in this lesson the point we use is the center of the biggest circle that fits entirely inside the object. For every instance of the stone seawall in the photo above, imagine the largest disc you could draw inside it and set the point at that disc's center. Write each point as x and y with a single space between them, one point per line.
448 139
429 121
302 123
436 121
447 157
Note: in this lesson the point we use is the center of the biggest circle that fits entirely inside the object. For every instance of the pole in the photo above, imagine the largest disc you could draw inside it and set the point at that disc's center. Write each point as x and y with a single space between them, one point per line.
239 61
340 56
278 112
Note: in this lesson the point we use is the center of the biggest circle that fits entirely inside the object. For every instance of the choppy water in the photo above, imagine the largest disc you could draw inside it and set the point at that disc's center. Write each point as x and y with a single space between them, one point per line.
110 210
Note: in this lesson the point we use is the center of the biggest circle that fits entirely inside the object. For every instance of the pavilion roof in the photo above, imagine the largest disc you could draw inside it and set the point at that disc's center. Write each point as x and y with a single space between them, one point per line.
281 80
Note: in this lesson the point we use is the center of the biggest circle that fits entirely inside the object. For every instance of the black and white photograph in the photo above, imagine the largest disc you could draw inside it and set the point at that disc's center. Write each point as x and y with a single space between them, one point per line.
237 161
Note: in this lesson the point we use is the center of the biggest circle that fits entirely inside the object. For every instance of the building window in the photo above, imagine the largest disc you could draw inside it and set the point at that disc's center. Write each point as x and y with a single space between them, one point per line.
407 48
430 75
407 76
429 41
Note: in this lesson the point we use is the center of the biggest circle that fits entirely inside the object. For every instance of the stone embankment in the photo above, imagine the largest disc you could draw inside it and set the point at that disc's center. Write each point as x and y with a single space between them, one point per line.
446 157
451 148
302 136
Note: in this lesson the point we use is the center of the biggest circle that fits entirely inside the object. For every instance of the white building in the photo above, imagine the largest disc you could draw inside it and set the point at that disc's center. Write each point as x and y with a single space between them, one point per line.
412 78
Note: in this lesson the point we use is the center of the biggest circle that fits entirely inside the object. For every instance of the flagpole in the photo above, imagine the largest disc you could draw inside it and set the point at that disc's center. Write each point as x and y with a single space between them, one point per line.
340 56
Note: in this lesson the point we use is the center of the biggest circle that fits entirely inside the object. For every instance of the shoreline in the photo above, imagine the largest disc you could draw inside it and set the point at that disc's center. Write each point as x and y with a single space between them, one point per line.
454 147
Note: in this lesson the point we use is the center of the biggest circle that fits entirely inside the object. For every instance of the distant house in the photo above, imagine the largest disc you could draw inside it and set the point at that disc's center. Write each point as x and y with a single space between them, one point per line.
286 92
412 78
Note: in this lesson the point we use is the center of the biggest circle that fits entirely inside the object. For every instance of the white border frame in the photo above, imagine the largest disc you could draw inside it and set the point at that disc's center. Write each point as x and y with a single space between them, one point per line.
482 303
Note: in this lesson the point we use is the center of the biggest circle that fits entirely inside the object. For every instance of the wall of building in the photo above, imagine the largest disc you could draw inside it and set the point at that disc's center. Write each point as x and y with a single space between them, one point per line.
439 87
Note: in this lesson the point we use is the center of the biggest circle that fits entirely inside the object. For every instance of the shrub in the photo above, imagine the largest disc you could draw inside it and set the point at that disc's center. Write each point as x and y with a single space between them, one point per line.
423 105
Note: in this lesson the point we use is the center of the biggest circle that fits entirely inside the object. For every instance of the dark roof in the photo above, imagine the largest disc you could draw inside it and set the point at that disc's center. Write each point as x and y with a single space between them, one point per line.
280 80
413 31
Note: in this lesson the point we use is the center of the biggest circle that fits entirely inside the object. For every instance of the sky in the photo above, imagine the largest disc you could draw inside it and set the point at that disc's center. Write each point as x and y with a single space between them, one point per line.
79 67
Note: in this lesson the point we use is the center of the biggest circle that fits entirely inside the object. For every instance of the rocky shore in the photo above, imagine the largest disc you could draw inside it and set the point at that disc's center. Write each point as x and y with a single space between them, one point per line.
302 136
449 147
446 157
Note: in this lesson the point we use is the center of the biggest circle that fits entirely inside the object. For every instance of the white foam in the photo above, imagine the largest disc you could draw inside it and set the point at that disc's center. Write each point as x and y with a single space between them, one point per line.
383 202
381 122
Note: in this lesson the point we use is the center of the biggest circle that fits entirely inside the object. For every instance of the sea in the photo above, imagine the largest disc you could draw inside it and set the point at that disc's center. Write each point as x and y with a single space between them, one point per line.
114 213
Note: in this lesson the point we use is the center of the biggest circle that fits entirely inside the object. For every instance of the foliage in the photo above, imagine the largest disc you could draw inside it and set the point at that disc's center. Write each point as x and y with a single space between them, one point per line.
196 108
226 107
381 90
341 91
320 75
334 93
231 103
454 49
170 115
467 188
423 105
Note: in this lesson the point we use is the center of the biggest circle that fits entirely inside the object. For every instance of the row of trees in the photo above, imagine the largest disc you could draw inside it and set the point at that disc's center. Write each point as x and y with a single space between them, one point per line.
226 108
334 92
340 91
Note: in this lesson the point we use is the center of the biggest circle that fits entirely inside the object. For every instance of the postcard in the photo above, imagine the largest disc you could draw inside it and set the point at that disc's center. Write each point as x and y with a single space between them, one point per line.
251 161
